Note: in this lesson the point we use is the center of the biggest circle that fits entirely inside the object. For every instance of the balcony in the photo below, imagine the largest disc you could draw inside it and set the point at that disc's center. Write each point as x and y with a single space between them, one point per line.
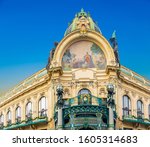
84 112
18 120
29 117
24 123
1 125
9 122
133 119
43 113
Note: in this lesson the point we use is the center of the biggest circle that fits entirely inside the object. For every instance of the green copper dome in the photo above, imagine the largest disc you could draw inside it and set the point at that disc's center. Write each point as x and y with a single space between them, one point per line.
82 18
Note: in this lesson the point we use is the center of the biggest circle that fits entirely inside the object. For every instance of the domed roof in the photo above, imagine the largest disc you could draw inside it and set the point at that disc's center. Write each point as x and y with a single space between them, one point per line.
82 19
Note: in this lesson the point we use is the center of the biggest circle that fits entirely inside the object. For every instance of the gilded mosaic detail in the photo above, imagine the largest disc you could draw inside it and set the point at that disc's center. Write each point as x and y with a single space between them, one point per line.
84 54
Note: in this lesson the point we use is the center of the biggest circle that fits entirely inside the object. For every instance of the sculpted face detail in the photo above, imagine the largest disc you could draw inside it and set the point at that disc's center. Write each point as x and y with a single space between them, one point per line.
83 54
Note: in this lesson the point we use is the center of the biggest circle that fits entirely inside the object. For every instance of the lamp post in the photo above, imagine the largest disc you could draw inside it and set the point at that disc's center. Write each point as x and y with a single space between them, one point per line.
59 104
111 105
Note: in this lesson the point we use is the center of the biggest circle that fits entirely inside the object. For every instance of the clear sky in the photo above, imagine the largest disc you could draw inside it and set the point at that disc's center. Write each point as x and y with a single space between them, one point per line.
28 29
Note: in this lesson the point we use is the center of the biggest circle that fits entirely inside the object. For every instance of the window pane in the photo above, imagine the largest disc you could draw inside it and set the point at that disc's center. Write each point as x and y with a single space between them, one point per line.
126 105
149 111
84 91
140 109
2 118
29 108
140 106
18 112
9 115
43 103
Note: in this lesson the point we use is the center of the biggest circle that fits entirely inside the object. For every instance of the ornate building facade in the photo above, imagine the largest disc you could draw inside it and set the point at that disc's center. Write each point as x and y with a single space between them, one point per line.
82 87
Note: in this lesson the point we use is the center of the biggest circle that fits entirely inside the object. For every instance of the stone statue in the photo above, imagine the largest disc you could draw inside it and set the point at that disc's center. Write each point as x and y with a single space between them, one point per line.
110 100
114 43
60 92
51 55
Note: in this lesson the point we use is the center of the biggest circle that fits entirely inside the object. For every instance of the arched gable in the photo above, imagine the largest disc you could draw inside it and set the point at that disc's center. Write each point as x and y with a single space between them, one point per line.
90 36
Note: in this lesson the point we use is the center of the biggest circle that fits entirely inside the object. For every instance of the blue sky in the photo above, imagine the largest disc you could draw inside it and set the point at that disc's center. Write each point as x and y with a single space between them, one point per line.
28 29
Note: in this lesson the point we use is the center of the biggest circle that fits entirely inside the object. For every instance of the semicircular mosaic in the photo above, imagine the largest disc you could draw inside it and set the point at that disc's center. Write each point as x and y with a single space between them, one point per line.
83 54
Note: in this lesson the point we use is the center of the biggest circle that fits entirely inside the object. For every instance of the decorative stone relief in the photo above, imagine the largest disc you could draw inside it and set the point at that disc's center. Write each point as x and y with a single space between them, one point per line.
126 92
133 94
66 92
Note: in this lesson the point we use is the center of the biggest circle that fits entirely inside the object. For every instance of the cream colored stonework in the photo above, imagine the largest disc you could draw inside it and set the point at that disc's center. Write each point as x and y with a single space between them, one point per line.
43 83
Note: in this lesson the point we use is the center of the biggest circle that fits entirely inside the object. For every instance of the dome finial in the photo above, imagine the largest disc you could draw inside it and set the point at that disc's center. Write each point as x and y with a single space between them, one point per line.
114 34
82 10
82 22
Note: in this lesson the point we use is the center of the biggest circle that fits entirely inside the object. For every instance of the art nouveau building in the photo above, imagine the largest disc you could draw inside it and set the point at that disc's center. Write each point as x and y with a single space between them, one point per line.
84 63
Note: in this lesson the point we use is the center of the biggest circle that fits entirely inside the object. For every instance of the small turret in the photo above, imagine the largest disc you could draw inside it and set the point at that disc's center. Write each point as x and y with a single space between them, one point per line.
82 21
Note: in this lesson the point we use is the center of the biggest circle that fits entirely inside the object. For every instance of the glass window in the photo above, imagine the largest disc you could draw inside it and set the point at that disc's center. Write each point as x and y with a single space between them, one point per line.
1 119
18 114
149 111
84 91
29 110
9 117
84 96
42 106
126 106
140 109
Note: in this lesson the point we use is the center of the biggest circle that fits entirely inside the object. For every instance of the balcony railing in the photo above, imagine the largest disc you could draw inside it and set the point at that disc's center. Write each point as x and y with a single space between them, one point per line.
84 99
134 119
1 125
18 119
29 117
43 113
126 111
140 114
9 122
82 112
25 123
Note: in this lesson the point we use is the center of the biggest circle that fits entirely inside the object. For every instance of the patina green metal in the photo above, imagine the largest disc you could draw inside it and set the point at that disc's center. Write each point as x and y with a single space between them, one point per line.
134 119
84 111
80 98
73 25
25 123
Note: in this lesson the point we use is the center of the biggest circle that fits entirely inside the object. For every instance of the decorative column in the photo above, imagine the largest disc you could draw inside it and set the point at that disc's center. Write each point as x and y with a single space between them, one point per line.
59 91
99 121
72 121
110 105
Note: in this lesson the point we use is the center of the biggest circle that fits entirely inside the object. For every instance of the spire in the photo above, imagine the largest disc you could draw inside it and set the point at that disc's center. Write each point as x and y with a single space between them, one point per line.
82 10
83 22
82 13
114 35
114 45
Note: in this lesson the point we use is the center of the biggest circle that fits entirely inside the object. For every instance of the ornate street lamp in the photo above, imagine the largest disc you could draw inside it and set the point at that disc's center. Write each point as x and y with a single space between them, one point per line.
110 89
110 100
59 90
111 105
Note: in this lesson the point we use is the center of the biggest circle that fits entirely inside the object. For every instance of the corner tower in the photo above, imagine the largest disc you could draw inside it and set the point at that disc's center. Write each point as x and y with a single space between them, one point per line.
83 62
83 38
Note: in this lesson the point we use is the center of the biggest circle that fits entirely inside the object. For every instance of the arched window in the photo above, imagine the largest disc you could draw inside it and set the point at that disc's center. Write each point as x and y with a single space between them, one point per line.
18 114
9 117
149 111
126 106
1 121
84 91
84 96
29 111
140 109
42 106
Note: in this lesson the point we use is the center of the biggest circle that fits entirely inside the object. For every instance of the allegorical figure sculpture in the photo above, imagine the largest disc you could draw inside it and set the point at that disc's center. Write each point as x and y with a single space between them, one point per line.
60 92
114 43
51 55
